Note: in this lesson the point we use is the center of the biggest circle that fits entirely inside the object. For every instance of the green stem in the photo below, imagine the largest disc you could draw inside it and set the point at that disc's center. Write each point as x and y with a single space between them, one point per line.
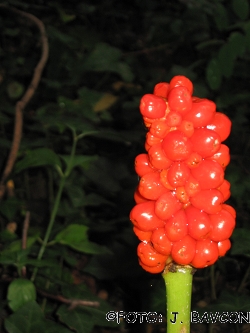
178 281
56 205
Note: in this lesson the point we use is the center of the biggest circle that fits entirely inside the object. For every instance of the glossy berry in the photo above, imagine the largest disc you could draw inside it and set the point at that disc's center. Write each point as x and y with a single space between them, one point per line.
180 100
161 89
158 158
153 269
150 186
199 224
176 227
144 218
160 241
159 128
205 142
209 174
183 251
142 165
220 124
152 139
152 106
143 236
138 197
208 200
223 247
173 119
148 256
222 156
201 113
181 81
222 224
178 174
206 253
177 146
167 205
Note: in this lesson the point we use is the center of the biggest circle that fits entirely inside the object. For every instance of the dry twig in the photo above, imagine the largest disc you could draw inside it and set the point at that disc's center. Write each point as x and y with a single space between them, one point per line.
20 105
73 303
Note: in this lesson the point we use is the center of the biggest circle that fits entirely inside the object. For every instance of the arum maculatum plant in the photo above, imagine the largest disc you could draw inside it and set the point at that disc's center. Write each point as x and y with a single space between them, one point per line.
180 215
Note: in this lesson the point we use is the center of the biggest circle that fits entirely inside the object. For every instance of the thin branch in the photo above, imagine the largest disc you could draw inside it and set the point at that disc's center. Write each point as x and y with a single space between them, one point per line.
24 237
73 303
20 105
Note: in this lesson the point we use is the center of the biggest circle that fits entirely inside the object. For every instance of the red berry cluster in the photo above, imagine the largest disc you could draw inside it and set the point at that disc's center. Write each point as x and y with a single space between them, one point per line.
180 214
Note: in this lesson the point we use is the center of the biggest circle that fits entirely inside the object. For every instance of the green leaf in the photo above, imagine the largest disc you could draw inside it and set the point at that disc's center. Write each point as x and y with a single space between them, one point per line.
20 291
213 74
30 319
226 60
107 58
241 241
17 245
76 319
241 8
38 157
79 161
221 16
76 195
76 237
9 207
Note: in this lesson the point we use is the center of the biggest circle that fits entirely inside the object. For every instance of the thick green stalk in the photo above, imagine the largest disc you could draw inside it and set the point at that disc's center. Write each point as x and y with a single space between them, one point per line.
178 280
56 205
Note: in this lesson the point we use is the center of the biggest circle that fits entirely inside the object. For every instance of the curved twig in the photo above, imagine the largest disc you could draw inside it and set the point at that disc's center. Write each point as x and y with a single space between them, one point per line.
20 105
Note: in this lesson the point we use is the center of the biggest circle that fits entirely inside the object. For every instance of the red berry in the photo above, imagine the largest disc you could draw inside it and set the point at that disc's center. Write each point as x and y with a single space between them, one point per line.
183 81
183 251
186 127
148 256
176 227
206 253
144 236
143 216
192 186
198 223
222 156
225 189
142 165
193 160
181 195
205 142
180 100
161 89
150 186
221 124
159 128
209 174
167 205
178 174
160 241
155 269
158 158
152 106
152 139
177 146
138 197
222 224
230 209
173 119
223 247
164 179
208 200
201 113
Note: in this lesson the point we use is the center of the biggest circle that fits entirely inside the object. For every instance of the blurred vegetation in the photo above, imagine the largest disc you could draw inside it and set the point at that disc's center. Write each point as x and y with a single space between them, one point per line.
103 56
